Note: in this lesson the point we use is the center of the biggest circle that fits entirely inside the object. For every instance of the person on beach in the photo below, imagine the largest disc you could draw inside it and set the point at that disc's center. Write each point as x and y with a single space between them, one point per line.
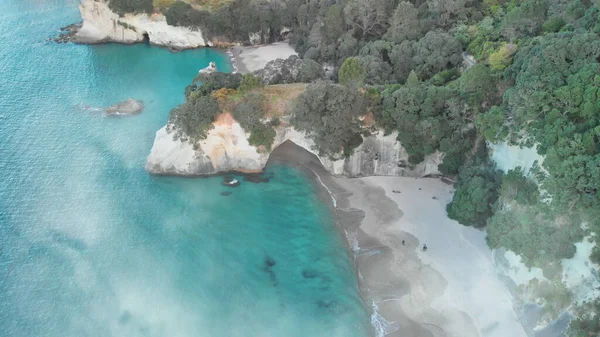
403 243
424 248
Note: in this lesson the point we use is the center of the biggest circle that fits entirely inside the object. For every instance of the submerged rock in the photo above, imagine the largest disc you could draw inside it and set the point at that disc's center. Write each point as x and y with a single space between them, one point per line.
68 33
128 107
256 178
226 193
309 273
269 262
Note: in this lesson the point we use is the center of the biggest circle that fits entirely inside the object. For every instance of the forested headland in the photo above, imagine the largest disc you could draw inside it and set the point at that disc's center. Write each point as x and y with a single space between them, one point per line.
533 80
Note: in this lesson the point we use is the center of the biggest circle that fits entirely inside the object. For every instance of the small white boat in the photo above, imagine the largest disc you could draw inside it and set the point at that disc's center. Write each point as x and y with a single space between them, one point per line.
231 182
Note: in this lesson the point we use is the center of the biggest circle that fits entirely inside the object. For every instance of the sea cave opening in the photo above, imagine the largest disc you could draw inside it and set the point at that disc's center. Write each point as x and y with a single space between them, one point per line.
290 153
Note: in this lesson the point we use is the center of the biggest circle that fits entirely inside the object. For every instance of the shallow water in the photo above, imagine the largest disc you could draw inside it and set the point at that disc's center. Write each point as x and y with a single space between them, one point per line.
91 245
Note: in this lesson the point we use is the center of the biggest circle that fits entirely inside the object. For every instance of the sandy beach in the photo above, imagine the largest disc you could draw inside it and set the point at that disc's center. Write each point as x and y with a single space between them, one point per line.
449 290
249 59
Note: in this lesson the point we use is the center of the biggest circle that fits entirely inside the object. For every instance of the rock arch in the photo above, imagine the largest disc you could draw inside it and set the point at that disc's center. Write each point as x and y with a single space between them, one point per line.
290 152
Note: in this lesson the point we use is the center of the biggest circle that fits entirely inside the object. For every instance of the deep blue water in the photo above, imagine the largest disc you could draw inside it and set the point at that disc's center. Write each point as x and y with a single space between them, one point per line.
91 245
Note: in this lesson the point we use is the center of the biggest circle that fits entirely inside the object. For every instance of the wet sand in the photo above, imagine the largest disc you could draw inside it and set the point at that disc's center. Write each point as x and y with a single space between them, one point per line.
449 290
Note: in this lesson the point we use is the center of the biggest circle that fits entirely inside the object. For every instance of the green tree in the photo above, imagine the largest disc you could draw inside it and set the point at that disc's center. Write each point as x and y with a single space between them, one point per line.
587 324
249 82
352 73
183 14
427 117
491 124
262 134
329 114
434 52
515 186
555 101
477 84
190 121
553 25
404 24
532 233
122 7
501 58
205 84
333 25
309 72
477 190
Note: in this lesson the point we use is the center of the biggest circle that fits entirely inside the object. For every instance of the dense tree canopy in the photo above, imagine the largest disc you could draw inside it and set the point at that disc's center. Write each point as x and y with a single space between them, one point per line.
556 101
190 121
329 114
352 73
477 190
131 6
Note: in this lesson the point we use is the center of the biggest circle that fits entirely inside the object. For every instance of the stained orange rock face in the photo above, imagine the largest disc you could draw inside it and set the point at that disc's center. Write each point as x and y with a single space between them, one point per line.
368 120
224 119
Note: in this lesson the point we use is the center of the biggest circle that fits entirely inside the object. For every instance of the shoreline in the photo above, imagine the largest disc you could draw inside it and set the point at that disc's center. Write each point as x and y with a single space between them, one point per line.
347 221
449 290
244 59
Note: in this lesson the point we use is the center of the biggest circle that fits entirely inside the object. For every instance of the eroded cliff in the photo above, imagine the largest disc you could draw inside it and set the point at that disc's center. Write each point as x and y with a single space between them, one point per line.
226 148
101 24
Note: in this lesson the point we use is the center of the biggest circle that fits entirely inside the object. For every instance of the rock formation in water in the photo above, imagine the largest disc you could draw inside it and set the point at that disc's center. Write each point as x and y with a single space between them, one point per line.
226 148
128 107
101 24
211 68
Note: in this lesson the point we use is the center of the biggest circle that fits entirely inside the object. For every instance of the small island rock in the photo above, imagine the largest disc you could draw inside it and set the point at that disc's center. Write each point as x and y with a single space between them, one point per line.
128 107
212 67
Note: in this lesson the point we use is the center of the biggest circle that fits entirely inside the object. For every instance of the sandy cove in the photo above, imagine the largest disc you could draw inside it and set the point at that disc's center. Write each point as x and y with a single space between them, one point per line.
450 290
247 59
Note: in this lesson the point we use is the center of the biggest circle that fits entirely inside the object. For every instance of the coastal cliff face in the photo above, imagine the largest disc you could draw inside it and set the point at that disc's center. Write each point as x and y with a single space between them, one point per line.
101 24
226 148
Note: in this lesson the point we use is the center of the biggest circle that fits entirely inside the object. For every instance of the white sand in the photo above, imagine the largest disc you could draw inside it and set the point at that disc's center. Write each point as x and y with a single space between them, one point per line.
508 157
250 59
449 290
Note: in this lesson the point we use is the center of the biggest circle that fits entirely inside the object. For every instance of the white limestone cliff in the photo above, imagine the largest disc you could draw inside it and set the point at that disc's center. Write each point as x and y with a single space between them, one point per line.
101 24
226 148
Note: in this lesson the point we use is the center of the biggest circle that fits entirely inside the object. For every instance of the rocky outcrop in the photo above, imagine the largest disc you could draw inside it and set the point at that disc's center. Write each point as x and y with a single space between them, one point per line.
125 108
100 25
226 148
211 68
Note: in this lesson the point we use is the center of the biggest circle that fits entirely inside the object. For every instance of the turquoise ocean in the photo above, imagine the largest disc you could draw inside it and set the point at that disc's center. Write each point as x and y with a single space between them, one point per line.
91 245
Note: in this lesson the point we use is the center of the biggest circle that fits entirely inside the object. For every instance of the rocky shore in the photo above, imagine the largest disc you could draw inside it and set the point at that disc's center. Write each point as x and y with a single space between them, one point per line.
100 25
